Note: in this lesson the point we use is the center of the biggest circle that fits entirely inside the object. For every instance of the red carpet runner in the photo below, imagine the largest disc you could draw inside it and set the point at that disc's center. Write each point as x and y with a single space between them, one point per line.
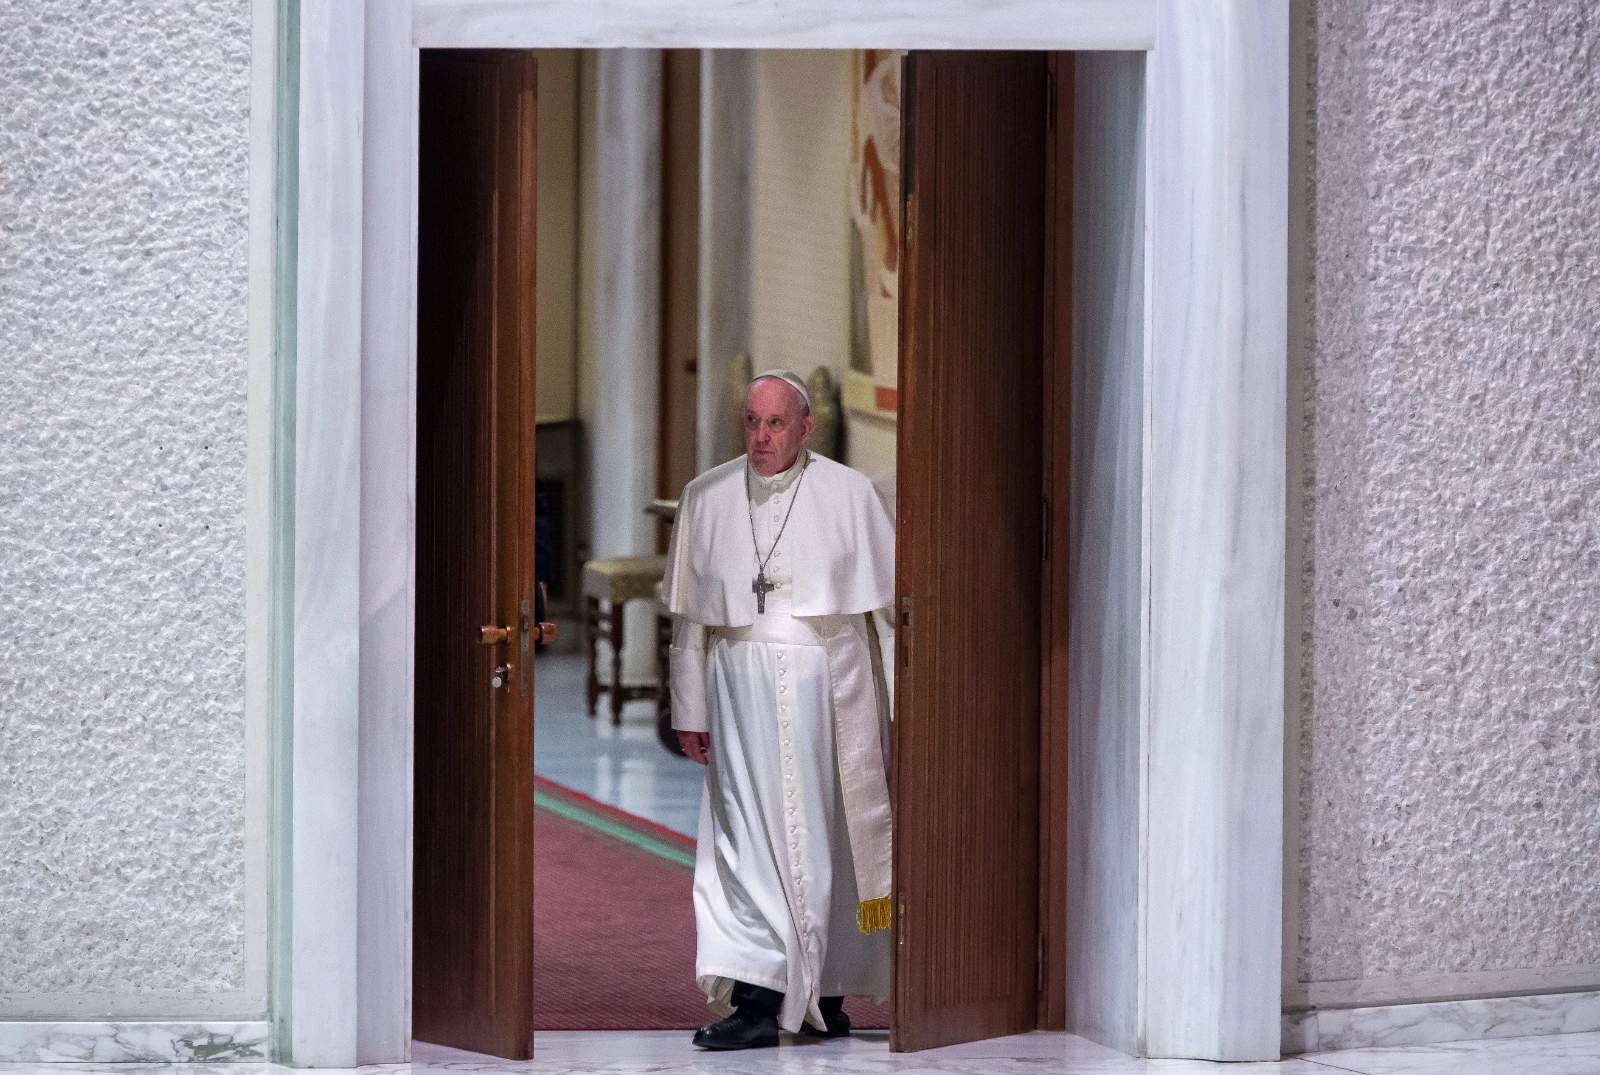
613 922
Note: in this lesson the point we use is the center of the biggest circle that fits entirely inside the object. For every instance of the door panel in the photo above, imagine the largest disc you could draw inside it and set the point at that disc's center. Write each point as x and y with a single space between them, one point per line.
473 871
967 730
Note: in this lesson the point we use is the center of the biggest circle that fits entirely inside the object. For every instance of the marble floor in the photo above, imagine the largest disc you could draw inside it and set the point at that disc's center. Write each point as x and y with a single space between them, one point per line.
623 766
668 1053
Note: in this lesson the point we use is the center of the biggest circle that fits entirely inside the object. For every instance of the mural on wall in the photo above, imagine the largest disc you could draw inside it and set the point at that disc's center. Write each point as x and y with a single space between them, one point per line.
871 382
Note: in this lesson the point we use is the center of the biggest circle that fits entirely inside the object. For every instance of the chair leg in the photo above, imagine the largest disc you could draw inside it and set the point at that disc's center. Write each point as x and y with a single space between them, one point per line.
664 665
664 730
617 608
591 620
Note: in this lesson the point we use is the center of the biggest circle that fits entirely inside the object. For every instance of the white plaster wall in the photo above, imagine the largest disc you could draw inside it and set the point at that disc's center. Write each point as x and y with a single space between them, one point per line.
558 307
800 251
1448 555
123 267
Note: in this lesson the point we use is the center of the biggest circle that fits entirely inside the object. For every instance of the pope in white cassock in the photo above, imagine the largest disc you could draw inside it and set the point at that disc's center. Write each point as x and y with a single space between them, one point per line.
779 579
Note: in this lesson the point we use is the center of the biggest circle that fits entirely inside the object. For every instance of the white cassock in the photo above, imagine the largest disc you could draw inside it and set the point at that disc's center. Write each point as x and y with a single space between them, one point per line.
792 862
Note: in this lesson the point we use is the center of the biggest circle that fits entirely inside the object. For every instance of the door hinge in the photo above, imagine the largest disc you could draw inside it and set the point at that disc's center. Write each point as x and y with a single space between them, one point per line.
903 633
1050 96
1045 535
1038 965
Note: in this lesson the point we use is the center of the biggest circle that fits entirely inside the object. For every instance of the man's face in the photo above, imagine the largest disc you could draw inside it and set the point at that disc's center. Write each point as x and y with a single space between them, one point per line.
775 426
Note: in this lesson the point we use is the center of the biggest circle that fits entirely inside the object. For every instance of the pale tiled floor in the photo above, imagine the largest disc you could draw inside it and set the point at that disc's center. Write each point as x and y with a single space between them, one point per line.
624 766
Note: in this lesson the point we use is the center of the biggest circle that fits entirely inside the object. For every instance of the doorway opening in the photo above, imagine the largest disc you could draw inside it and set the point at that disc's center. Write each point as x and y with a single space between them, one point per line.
929 301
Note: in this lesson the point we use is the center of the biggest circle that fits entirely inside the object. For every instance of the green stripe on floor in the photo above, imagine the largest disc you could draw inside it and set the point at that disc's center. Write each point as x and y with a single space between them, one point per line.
611 828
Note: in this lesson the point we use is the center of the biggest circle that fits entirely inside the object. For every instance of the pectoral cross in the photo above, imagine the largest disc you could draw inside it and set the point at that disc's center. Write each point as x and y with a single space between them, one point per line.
761 587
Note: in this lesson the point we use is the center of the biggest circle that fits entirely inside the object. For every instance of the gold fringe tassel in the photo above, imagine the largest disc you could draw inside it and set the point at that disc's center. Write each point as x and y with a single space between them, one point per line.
873 915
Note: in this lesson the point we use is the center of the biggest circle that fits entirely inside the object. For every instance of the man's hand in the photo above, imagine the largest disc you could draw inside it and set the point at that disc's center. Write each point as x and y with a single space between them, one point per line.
695 744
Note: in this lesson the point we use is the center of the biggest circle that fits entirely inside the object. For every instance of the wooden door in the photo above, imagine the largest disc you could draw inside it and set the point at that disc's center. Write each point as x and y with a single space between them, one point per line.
1056 445
967 730
472 980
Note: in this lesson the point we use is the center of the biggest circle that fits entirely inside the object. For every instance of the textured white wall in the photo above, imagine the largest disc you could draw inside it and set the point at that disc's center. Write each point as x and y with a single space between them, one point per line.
123 150
1448 561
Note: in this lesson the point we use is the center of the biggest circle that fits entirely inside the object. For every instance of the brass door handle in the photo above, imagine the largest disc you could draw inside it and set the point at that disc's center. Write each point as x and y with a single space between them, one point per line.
494 636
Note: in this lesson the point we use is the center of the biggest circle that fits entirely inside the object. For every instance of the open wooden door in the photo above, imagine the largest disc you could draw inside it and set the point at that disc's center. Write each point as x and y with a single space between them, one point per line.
1055 588
967 732
472 980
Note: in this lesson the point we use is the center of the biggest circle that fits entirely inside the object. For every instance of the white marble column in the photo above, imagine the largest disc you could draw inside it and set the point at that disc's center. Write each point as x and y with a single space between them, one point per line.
1218 217
316 972
622 438
388 544
727 116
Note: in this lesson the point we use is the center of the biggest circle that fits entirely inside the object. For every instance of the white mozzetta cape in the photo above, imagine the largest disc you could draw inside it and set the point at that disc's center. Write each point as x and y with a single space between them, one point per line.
843 547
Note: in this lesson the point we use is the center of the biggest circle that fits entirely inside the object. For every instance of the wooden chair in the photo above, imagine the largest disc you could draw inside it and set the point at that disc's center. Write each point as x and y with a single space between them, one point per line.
616 580
664 732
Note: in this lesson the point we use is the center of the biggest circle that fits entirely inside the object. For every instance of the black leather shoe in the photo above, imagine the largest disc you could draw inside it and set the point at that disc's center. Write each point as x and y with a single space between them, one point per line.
836 1024
742 1030
753 1024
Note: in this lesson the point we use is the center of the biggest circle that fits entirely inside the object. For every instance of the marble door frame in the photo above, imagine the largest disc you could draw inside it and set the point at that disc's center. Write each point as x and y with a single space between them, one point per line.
1181 327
